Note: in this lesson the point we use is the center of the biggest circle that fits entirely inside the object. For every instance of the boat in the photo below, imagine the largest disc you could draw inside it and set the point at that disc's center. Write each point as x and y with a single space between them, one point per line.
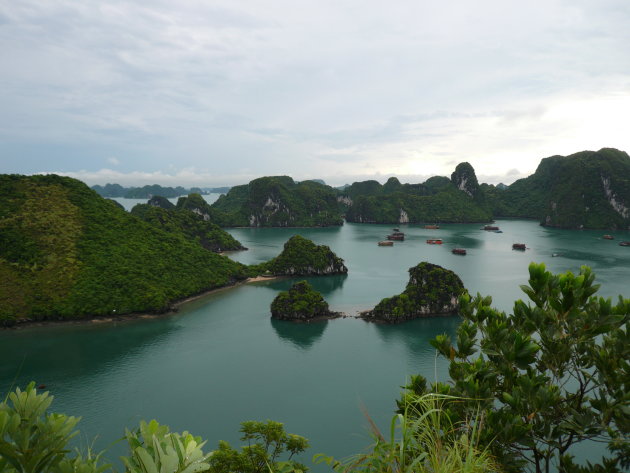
398 236
608 237
458 251
554 255
490 228
396 229
624 243
432 227
434 241
498 231
385 243
519 246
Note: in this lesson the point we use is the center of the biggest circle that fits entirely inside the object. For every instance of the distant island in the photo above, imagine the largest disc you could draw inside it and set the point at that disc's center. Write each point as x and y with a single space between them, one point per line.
148 191
589 189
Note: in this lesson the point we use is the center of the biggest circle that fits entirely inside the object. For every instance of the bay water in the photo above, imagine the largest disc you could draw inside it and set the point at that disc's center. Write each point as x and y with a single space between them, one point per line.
222 360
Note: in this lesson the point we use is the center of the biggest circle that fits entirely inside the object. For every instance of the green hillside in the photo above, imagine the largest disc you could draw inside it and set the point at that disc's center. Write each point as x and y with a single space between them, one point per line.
584 190
439 199
65 252
278 201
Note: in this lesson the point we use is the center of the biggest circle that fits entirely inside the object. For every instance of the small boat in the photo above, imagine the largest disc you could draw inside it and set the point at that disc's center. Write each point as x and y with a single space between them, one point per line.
432 227
554 255
434 241
608 237
396 229
398 236
624 243
519 246
498 231
385 243
490 228
458 251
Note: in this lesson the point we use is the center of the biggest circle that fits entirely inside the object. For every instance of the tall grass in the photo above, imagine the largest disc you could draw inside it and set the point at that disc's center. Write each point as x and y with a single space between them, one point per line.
422 439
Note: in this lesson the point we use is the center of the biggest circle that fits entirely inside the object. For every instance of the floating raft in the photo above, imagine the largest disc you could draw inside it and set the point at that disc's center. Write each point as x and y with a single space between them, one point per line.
385 243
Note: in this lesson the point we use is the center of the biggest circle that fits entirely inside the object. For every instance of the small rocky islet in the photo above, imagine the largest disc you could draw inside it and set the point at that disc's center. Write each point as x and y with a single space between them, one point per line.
301 303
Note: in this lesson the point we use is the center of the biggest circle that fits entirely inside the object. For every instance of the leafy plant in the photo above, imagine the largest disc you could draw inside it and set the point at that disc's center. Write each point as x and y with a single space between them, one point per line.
34 441
156 450
266 442
553 374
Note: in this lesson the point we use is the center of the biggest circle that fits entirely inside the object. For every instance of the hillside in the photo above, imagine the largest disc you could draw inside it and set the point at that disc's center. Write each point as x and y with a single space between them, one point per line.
192 225
584 190
65 252
439 199
277 201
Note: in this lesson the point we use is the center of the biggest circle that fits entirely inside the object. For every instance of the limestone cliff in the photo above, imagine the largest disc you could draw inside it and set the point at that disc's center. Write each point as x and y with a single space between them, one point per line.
300 302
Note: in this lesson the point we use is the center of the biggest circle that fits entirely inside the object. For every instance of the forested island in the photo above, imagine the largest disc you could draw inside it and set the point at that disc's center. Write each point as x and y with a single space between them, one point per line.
67 253
584 190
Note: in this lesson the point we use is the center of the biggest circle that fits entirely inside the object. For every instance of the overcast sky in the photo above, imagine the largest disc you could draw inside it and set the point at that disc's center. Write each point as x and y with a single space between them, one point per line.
220 92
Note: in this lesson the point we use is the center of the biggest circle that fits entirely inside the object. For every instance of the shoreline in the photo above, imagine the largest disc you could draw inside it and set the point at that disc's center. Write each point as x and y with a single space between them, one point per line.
108 319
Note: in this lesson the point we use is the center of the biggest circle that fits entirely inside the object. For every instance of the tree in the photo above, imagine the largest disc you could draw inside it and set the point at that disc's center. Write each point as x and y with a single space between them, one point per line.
551 375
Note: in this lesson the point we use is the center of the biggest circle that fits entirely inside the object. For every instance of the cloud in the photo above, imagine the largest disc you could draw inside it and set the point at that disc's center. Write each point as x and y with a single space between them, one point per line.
113 160
327 87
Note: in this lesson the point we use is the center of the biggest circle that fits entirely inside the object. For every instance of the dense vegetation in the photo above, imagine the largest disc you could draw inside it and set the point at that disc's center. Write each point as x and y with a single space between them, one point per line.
431 290
192 225
66 252
439 199
301 257
552 374
584 190
278 202
300 302
146 192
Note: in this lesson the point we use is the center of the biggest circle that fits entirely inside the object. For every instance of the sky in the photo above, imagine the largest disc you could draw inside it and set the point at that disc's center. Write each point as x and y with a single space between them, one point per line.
214 93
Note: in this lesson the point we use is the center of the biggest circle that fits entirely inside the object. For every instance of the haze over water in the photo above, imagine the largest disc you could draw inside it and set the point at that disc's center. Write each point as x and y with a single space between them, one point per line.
221 360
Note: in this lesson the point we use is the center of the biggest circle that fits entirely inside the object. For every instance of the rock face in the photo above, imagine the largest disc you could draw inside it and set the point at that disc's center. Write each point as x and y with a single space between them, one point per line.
465 179
431 291
302 257
301 302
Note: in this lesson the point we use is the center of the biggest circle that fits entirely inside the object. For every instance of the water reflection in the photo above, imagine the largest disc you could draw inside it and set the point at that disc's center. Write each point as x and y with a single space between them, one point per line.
324 284
301 335
416 334
65 353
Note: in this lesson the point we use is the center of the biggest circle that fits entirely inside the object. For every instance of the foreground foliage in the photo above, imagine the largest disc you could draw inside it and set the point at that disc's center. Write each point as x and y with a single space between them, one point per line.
422 439
553 374
32 440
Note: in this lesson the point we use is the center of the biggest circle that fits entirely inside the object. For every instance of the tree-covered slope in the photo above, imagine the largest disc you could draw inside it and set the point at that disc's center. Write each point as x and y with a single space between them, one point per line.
194 226
439 199
65 252
301 257
278 202
584 190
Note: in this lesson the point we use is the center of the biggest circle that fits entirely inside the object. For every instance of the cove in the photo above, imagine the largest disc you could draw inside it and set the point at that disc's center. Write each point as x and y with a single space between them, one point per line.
222 360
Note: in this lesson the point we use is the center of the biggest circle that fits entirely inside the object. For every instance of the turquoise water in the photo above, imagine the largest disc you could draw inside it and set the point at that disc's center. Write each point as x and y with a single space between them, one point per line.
221 360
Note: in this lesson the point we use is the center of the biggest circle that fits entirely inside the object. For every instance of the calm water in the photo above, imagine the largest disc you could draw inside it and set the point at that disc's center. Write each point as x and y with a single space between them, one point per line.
129 203
222 360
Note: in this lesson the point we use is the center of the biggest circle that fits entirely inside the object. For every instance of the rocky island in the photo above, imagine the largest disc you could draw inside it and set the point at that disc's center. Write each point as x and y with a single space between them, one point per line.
278 201
301 257
301 303
431 291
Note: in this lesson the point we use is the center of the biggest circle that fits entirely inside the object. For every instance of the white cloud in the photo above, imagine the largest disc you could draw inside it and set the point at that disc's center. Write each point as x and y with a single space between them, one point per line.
113 160
323 87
